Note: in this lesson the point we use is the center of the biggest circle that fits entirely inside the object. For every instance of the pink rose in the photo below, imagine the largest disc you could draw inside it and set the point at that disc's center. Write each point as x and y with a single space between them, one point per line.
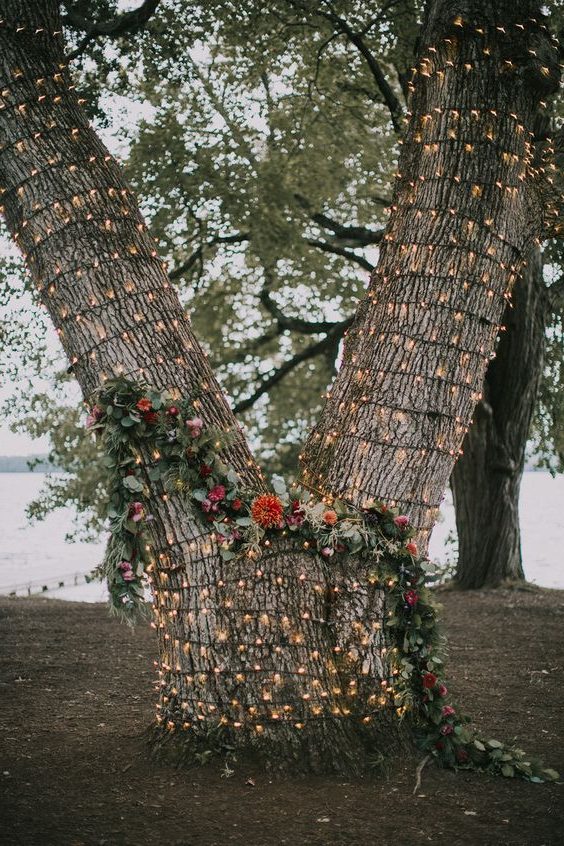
94 416
447 729
217 493
448 711
443 690
327 551
136 511
402 521
207 505
195 426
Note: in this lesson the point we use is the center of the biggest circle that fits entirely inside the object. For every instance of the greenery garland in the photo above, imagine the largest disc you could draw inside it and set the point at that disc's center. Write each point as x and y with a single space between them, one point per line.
148 438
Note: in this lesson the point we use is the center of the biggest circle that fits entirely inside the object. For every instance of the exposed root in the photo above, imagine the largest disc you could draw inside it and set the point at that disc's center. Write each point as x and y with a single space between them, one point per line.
419 771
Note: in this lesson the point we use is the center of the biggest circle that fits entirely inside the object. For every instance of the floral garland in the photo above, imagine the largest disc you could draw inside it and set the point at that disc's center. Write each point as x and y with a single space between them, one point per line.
149 438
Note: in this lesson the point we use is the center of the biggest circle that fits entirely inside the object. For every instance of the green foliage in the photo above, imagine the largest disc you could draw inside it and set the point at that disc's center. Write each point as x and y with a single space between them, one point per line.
154 445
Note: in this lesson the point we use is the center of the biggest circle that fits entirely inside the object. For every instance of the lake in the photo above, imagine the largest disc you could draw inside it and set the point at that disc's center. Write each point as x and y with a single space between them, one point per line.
35 556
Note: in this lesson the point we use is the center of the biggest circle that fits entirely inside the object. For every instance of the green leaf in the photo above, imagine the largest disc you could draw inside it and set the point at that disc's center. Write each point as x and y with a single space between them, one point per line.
507 771
479 745
551 775
495 744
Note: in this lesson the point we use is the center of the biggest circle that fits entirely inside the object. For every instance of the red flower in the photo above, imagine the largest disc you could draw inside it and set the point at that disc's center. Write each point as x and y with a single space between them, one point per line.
297 517
447 729
411 598
461 755
411 547
448 711
330 517
267 511
205 471
443 690
237 504
217 493
173 411
402 522
151 417
144 404
429 680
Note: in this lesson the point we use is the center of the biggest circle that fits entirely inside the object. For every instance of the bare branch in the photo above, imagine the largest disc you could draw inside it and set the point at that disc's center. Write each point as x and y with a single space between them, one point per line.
127 23
277 375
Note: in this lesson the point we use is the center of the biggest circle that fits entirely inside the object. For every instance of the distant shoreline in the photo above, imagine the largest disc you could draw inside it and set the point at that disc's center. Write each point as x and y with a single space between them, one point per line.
20 464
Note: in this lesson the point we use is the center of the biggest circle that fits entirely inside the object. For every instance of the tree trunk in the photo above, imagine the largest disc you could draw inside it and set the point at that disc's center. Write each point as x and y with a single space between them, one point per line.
487 477
288 656
465 215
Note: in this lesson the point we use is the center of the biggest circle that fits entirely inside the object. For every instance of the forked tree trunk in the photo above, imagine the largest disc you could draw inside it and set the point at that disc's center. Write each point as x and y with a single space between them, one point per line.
487 478
273 647
465 215
247 645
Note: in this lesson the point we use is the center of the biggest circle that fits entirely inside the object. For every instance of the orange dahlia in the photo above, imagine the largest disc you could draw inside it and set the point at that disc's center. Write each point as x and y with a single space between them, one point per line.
267 511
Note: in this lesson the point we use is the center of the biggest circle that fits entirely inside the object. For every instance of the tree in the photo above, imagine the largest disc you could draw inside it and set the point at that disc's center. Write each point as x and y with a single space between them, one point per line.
244 263
465 215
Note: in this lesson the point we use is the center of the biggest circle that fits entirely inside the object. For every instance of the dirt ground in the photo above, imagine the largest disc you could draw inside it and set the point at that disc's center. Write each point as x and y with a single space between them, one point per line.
76 694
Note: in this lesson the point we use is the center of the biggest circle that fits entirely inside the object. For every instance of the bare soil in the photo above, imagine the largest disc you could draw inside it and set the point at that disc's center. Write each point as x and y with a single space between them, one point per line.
77 697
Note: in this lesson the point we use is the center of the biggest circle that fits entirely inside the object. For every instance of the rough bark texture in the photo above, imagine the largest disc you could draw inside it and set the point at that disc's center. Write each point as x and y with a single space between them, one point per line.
487 477
465 215
256 647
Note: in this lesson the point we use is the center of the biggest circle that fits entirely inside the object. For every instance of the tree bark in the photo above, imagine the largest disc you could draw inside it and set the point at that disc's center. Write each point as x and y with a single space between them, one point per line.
487 478
465 215
288 654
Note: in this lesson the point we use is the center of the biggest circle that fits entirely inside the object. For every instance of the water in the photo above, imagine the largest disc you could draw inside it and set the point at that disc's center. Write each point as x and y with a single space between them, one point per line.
36 556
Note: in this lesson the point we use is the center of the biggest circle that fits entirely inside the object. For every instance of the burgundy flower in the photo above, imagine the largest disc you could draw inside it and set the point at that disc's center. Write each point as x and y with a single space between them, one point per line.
237 504
411 597
447 729
439 745
297 514
205 471
217 493
402 521
151 417
443 690
461 755
429 680
173 411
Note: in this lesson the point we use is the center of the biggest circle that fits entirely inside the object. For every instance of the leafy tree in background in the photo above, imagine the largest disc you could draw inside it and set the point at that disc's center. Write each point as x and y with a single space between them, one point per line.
271 228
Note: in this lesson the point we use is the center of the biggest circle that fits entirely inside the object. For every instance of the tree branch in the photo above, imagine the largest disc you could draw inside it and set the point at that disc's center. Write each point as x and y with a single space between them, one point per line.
277 375
199 251
340 251
126 23
349 236
356 38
